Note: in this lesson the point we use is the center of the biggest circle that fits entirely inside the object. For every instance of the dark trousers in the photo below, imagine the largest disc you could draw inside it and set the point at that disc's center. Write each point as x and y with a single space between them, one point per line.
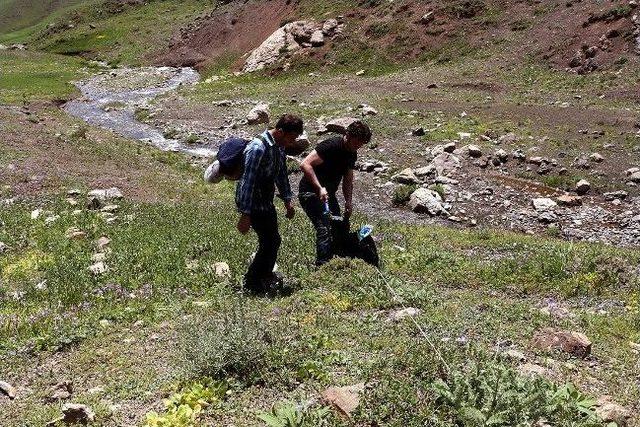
314 209
265 224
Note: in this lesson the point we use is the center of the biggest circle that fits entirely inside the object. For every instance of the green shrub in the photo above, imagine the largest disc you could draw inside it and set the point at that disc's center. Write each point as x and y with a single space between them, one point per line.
290 415
488 393
402 194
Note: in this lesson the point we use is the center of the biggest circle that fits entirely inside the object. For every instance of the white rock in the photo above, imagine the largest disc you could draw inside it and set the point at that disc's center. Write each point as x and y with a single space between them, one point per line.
258 115
582 187
98 268
543 204
403 313
428 201
317 38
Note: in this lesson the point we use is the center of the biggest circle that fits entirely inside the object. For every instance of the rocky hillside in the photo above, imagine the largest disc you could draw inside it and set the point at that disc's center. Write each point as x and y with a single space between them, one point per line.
580 36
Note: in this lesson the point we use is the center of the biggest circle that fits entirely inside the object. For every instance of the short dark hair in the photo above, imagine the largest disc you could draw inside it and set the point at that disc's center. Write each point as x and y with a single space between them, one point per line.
359 130
290 123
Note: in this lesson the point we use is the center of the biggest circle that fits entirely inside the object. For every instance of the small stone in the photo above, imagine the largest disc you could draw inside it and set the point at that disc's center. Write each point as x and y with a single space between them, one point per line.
60 391
102 243
105 195
427 18
360 73
8 390
98 268
569 200
317 38
3 247
449 147
344 399
369 111
635 177
427 201
77 414
582 187
501 155
221 269
611 412
543 204
615 195
532 370
515 355
418 132
474 151
75 234
596 158
519 155
110 208
403 313
574 343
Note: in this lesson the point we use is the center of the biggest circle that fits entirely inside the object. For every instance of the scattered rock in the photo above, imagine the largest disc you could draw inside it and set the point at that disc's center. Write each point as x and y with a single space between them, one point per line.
329 27
569 200
317 38
340 125
519 155
75 234
418 132
635 177
582 187
344 399
102 243
543 204
105 195
615 195
405 312
369 111
449 147
8 390
60 391
531 370
427 18
515 355
74 413
221 269
406 176
427 201
445 164
574 343
3 247
474 151
501 155
258 115
596 158
609 411
98 268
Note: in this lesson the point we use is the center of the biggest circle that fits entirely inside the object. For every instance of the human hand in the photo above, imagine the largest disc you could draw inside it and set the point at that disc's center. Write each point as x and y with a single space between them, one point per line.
290 210
348 210
324 195
244 223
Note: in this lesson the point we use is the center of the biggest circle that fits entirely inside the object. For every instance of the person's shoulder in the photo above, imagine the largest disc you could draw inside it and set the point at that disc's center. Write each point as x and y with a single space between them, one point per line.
330 143
256 144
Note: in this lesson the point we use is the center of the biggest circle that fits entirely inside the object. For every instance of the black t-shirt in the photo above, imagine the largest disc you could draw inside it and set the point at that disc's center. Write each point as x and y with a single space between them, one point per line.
336 161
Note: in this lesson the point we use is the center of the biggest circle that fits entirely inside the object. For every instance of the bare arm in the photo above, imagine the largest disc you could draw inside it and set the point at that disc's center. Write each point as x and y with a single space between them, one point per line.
313 159
347 191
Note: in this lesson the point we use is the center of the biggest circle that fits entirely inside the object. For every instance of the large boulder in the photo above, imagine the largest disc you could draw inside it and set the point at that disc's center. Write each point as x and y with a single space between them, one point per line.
445 164
340 125
427 201
271 49
574 343
406 176
258 115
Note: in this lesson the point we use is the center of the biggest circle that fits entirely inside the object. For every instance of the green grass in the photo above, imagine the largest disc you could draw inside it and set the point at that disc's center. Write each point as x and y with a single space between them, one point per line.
16 15
28 76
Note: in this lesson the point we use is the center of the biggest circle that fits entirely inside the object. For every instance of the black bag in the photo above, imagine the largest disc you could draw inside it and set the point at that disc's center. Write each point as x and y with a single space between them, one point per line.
346 243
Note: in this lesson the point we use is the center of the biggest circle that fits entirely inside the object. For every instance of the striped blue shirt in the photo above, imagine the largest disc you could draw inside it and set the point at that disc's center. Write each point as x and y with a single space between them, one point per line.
264 169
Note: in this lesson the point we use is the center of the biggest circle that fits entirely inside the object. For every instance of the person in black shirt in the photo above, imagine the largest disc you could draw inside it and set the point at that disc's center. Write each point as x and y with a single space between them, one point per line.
332 161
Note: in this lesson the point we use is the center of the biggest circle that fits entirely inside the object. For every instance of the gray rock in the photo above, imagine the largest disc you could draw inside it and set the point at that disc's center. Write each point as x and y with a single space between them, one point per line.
418 132
427 18
425 171
74 413
446 164
543 204
258 115
406 176
519 155
449 147
105 195
610 412
8 390
582 187
474 151
574 343
329 27
569 200
596 158
3 247
501 155
369 111
635 177
615 195
317 38
340 125
404 313
427 201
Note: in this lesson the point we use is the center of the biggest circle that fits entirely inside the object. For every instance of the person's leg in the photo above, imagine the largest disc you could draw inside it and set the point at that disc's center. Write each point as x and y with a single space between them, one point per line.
314 209
265 224
334 206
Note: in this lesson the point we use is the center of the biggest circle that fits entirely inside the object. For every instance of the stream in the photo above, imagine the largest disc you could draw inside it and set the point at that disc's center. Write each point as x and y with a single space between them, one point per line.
110 100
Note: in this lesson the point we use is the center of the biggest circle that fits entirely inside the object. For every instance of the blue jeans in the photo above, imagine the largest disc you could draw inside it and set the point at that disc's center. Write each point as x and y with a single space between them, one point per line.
321 221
